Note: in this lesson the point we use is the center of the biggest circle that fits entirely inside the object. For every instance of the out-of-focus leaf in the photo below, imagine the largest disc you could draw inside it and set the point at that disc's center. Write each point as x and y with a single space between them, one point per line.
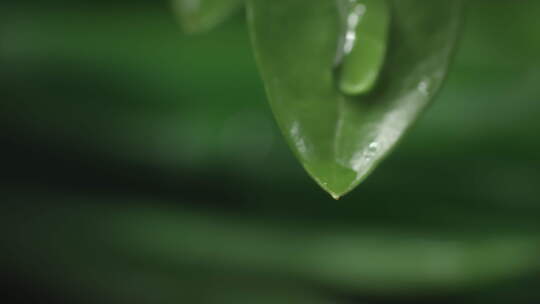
340 139
80 236
68 249
203 15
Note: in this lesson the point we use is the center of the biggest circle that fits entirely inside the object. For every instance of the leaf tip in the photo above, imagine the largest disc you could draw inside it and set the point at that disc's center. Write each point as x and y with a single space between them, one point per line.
335 179
335 196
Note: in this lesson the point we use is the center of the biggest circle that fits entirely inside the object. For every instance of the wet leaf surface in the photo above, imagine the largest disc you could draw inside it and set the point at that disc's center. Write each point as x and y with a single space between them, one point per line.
338 138
203 15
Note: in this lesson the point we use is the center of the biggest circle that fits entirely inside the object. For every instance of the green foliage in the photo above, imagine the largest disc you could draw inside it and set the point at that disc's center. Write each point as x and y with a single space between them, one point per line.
115 100
306 55
339 138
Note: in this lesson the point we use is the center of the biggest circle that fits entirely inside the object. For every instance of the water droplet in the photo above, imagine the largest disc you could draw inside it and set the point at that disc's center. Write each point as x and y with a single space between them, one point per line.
424 86
373 148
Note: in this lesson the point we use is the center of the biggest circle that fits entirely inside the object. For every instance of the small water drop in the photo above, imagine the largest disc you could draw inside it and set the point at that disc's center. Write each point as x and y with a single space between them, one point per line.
372 150
424 87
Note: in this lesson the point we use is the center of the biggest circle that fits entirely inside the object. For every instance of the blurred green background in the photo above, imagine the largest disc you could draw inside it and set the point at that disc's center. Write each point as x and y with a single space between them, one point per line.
142 165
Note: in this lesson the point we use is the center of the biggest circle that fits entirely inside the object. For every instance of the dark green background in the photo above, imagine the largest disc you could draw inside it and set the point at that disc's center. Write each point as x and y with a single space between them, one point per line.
141 165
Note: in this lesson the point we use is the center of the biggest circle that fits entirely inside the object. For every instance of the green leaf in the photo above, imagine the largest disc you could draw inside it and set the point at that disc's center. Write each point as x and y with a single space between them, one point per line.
204 15
338 138
366 36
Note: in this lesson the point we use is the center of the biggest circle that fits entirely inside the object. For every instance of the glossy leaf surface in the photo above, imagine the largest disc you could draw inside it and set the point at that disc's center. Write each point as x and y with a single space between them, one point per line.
340 139
365 44
203 15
